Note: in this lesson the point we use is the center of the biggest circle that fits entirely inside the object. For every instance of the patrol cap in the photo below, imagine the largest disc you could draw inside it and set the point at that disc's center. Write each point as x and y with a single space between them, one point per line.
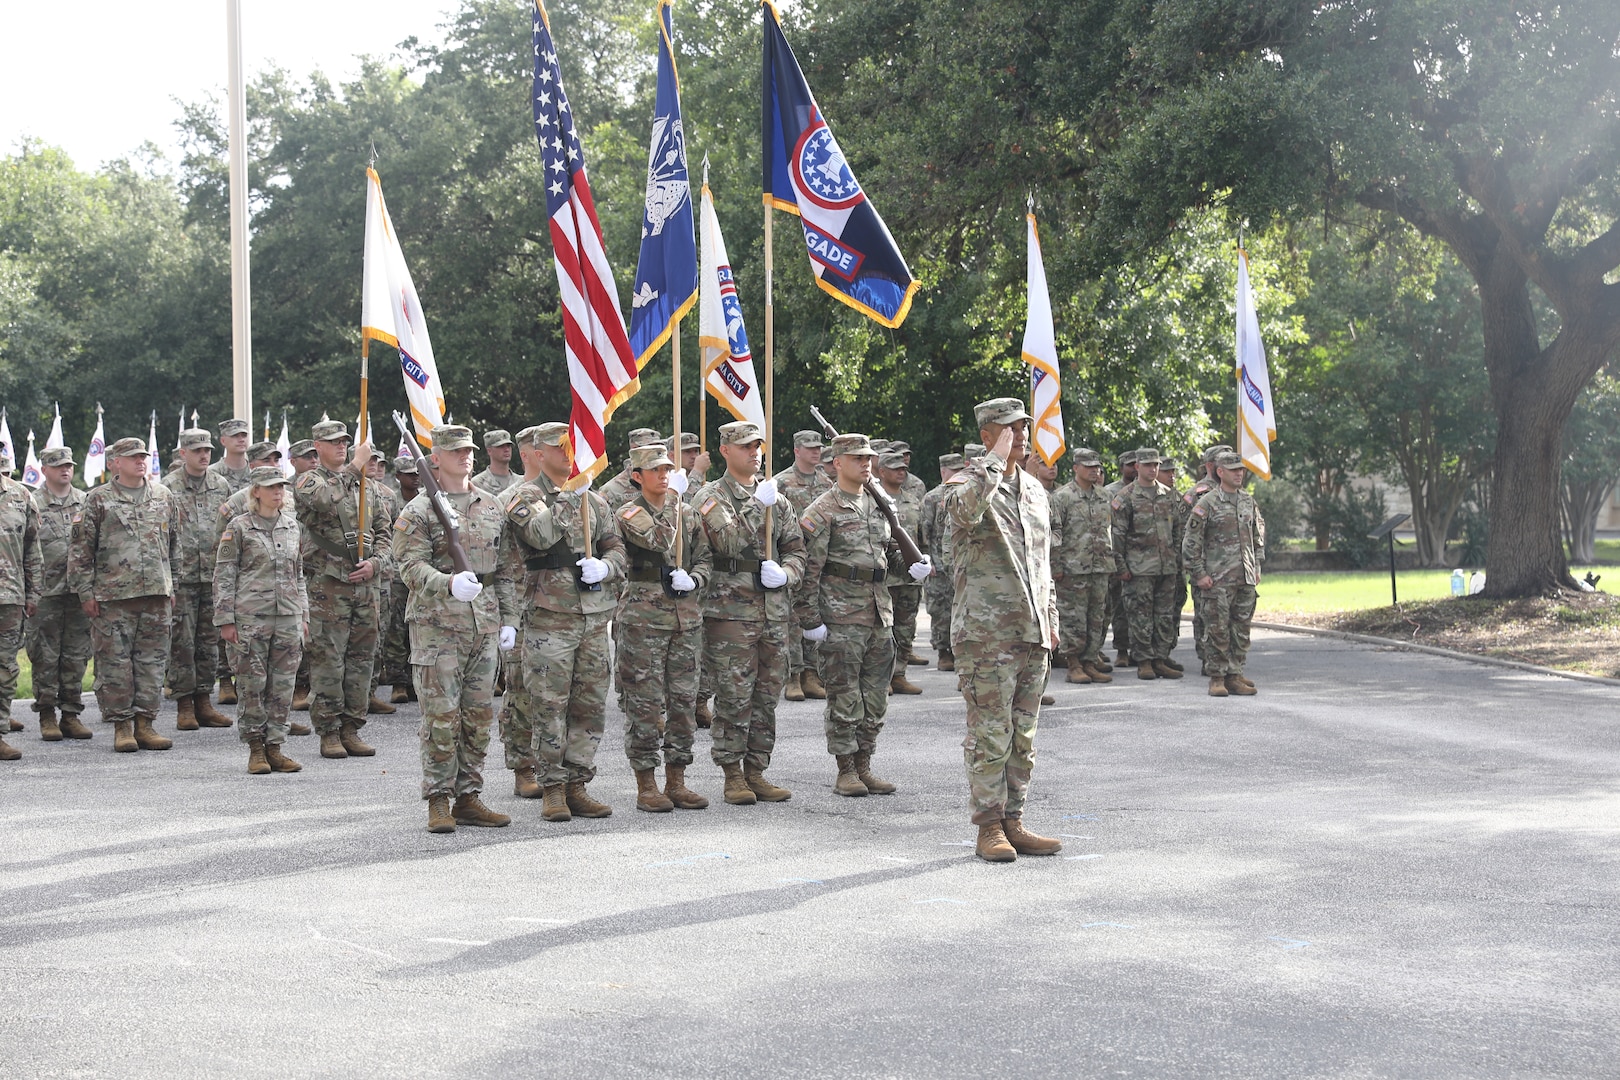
56 455
329 431
406 465
644 436
880 445
951 461
1001 410
262 450
740 433
1214 452
1147 455
130 447
972 450
549 434
1087 456
1127 458
497 437
852 444
195 438
649 457
266 476
452 437
892 460
807 439
826 454
1168 465
233 427
900 446
1228 460
302 447
689 441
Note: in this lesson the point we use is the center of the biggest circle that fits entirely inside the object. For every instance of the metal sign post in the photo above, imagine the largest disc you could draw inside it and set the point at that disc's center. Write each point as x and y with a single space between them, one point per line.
1386 531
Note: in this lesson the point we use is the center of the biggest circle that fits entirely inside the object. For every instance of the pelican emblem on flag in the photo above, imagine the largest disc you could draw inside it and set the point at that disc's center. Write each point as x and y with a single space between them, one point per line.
667 186
822 171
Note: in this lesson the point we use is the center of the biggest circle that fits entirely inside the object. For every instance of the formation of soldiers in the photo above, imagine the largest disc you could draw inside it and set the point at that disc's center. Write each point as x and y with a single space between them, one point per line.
742 588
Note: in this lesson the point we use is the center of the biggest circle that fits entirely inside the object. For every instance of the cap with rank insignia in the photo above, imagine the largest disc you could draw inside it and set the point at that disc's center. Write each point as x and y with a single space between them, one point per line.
1087 456
951 461
1127 458
1215 451
497 437
196 439
852 444
1229 460
892 460
127 448
549 434
642 436
807 439
263 450
452 437
973 450
56 455
302 447
1147 455
649 457
1001 410
232 427
266 476
740 433
330 431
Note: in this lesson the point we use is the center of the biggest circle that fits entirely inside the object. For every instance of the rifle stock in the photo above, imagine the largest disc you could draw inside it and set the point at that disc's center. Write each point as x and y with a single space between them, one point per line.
908 545
441 506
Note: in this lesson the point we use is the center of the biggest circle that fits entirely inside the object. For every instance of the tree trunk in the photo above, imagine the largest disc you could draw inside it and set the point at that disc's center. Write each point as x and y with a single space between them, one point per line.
1582 502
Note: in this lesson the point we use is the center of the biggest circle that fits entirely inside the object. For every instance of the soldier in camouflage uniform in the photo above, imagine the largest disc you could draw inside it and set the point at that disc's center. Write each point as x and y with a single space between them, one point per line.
460 620
660 632
906 593
59 633
803 484
845 604
1004 627
1206 483
1116 603
1082 566
383 501
935 535
691 474
498 478
913 483
261 606
746 612
1223 549
622 488
559 699
194 644
233 467
344 589
21 578
1147 556
123 539
396 651
304 457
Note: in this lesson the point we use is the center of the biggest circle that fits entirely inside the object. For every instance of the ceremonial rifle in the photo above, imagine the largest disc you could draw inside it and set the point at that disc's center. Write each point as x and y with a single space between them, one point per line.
908 545
441 505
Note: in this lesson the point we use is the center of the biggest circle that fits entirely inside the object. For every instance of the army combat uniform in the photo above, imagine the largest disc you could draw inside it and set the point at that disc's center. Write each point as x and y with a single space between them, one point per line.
1147 545
495 483
939 591
1082 565
906 593
1226 541
59 633
802 489
193 642
1204 486
21 568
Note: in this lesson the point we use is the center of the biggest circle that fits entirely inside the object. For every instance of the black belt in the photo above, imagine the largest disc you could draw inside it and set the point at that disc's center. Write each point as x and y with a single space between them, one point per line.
737 566
565 561
649 572
845 572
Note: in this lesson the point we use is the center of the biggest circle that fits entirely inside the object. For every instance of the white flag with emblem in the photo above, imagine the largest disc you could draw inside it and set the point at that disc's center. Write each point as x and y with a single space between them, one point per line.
1256 419
728 363
391 313
33 474
1040 353
95 462
284 448
7 448
54 439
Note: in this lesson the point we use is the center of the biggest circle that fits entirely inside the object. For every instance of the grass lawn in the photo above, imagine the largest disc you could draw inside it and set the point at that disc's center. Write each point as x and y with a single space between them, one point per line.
1312 593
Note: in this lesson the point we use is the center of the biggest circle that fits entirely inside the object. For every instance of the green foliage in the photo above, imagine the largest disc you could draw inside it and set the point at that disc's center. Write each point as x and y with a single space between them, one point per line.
1358 513
1281 506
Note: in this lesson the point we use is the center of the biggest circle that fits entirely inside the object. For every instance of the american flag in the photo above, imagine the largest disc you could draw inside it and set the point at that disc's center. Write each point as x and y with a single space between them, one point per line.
601 367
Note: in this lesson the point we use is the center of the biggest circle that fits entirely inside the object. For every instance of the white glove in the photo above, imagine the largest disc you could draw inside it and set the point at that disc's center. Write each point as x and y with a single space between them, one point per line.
508 638
818 634
464 586
765 493
591 570
681 581
771 575
678 482
920 570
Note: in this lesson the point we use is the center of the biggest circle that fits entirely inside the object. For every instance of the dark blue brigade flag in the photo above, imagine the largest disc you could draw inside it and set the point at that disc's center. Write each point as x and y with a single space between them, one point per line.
851 252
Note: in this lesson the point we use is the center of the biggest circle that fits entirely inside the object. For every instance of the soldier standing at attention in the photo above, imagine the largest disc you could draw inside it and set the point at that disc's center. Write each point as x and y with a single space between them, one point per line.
21 569
233 467
1224 547
396 652
460 620
261 606
622 488
561 691
1147 554
123 538
1206 483
59 634
693 467
383 502
935 536
844 604
803 484
914 483
660 624
343 589
194 644
746 612
1004 628
498 477
304 458
1167 476
1082 566
1116 602
903 590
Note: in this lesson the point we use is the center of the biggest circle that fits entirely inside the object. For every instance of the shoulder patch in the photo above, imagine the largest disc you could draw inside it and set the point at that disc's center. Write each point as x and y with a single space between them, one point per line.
1118 504
629 512
807 525
1200 510
78 517
708 504
226 535
959 478
403 524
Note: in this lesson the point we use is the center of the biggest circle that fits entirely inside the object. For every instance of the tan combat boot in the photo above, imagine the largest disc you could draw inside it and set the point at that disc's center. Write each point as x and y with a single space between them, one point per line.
7 751
1123 659
227 691
332 745
703 716
49 730
737 792
876 785
993 846
146 737
300 702
902 685
1027 843
278 761
206 714
813 688
524 785
554 806
793 689
439 819
379 707
73 729
186 714
1244 679
1077 672
1144 670
399 696
124 737
1100 664
349 736
1048 699
1217 686
1163 670
913 660
580 803
470 810
763 789
1098 675
1172 662
947 660
13 725
675 789
848 784
295 728
1237 684
648 797
257 765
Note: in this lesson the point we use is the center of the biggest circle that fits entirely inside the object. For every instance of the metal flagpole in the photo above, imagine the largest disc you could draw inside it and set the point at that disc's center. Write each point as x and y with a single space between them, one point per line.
770 368
241 319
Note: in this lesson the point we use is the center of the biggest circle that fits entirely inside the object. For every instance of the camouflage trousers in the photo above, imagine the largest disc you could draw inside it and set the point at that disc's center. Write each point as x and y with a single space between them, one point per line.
385 606
59 651
1118 616
748 661
457 692
1150 605
130 643
939 594
907 602
193 640
856 665
802 654
517 727
659 670
1082 602
266 656
396 651
1198 623
1228 611
13 627
1002 684
564 692
342 646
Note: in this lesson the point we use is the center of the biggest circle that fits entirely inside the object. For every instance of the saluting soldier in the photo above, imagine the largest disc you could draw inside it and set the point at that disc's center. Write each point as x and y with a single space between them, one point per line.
803 484
1082 566
194 644
124 537
261 607
660 626
1147 555
562 689
906 593
344 589
1004 628
747 613
622 488
1224 548
21 579
59 633
935 536
460 620
498 478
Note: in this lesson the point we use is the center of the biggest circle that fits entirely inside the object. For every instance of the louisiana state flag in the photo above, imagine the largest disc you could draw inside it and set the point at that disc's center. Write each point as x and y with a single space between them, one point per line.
851 252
